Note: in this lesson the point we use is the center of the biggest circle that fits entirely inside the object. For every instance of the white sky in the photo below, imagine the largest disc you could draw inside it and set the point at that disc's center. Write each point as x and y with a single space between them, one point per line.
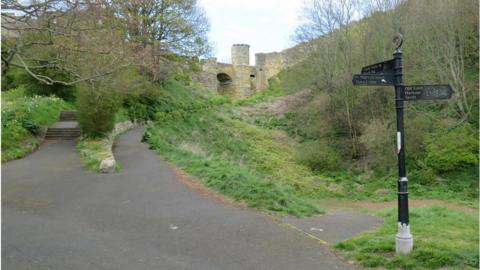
266 25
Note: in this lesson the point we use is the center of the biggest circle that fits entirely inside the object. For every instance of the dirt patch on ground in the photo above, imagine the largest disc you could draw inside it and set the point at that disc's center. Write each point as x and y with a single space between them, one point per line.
279 106
195 185
371 205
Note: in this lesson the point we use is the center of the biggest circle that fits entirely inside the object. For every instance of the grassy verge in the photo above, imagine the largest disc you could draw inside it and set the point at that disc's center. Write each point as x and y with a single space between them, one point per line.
237 159
24 121
93 150
443 238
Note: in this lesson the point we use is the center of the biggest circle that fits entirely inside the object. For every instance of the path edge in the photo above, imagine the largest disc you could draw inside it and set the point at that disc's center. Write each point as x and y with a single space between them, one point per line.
110 164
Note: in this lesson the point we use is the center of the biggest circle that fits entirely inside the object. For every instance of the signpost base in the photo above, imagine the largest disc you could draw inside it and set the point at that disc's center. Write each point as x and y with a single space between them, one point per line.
403 239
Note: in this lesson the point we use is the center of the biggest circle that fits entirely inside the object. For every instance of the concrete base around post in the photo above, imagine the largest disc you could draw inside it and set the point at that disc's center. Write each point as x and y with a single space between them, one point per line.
403 239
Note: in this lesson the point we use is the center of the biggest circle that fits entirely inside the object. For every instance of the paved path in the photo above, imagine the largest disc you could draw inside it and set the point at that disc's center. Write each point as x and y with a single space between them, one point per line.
56 215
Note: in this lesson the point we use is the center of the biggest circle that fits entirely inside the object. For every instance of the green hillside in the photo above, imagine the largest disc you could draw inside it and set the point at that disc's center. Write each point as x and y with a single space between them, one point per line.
312 136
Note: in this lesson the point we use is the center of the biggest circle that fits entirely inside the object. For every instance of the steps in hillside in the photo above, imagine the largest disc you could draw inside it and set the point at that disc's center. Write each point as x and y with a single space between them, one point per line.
68 115
62 133
66 129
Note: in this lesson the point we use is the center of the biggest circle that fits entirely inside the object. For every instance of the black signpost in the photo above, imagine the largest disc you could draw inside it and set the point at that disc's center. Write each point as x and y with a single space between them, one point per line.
390 72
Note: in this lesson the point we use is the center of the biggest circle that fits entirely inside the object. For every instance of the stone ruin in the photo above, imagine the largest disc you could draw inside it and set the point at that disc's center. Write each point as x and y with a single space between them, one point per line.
240 79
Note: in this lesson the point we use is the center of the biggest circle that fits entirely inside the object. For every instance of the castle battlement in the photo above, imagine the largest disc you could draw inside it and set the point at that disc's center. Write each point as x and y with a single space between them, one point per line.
239 79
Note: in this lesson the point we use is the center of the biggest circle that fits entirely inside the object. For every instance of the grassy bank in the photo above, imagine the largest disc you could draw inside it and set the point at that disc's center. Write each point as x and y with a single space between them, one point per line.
443 238
241 161
254 159
24 121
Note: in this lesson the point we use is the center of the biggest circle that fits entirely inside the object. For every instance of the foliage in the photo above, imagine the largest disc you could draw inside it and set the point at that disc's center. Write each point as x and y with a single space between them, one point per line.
12 79
452 150
16 77
319 156
36 87
92 151
24 120
96 107
178 26
222 172
359 123
436 244
60 43
379 140
271 92
163 32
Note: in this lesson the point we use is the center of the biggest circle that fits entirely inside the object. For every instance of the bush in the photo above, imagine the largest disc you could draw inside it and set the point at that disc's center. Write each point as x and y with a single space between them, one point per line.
23 119
11 79
96 110
141 99
35 87
319 156
378 138
452 150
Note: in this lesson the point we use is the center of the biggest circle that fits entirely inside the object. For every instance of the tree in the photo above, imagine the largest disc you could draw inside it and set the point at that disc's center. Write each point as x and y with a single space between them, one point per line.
159 28
78 38
326 27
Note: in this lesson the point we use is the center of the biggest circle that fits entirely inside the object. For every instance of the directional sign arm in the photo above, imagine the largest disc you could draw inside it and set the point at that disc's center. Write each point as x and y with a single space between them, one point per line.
372 79
427 92
385 67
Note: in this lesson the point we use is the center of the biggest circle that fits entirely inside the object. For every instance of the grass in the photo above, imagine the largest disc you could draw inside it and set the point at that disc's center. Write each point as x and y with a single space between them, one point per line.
237 159
175 100
443 238
219 135
24 121
92 151
255 162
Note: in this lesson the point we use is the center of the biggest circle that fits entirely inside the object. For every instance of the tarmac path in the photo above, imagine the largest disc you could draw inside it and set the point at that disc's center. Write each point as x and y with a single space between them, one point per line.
56 215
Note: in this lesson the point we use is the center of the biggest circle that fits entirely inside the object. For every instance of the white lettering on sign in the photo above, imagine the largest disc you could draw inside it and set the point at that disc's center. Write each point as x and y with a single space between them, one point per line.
399 142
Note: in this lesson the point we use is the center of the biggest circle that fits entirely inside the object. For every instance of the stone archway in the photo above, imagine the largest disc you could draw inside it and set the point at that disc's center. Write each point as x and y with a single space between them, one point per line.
225 84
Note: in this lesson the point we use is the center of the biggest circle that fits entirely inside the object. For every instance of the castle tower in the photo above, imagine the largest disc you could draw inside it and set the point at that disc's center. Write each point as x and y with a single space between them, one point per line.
240 54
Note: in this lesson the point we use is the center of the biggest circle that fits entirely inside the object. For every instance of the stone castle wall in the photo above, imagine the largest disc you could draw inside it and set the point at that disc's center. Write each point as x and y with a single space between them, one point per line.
241 54
239 79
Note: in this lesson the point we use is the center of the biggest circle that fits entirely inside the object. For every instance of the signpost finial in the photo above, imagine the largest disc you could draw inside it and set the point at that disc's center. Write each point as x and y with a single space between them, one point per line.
398 41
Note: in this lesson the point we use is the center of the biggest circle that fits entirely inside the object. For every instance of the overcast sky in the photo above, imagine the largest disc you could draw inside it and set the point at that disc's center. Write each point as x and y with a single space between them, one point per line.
266 25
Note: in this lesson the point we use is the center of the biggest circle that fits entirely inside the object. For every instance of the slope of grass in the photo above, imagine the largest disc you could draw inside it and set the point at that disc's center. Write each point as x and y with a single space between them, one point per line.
255 162
24 121
443 238
237 159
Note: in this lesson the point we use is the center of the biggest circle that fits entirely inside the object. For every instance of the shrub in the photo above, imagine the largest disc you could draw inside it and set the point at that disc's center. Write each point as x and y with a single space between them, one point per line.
452 150
36 87
23 118
319 156
378 138
11 79
141 101
96 110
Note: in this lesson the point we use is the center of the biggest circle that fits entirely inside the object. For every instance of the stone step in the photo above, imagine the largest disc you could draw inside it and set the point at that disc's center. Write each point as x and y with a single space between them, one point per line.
68 115
60 138
63 131
63 134
66 130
